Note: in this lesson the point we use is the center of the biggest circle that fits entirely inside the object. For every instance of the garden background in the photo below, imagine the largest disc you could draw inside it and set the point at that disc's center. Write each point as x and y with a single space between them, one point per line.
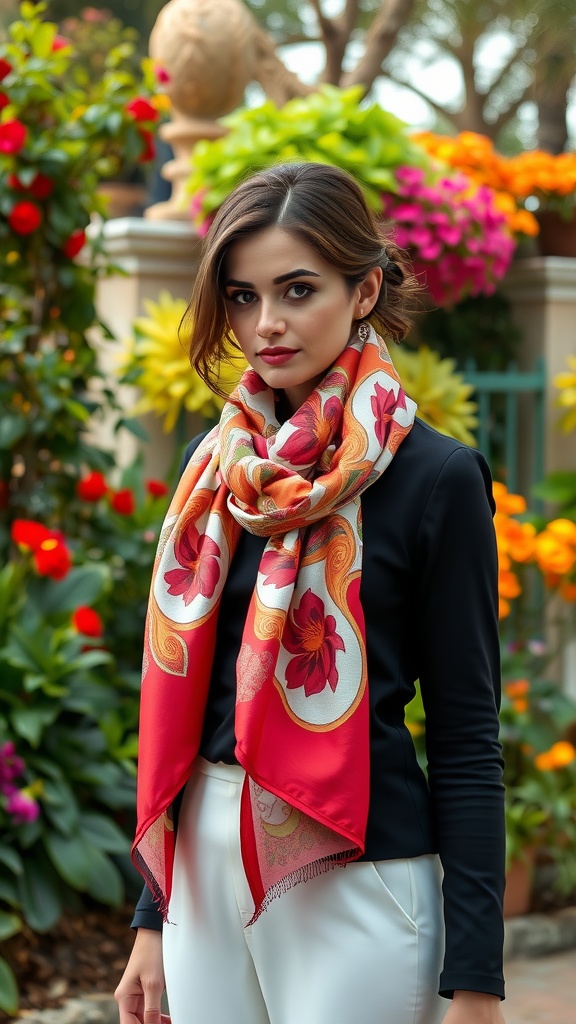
97 397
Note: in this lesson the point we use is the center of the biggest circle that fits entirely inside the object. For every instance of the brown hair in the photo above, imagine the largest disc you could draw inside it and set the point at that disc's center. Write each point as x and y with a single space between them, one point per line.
325 207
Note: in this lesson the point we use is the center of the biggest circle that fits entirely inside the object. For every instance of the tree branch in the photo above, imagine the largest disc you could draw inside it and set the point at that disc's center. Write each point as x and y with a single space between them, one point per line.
278 82
379 40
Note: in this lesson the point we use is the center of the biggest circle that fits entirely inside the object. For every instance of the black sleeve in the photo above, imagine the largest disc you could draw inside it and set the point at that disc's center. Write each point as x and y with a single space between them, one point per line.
146 912
460 681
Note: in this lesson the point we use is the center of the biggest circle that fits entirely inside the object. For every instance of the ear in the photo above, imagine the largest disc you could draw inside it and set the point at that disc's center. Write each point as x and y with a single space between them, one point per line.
368 292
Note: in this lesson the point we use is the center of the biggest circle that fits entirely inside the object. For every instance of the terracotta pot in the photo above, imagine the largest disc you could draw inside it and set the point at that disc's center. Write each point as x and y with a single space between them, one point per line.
557 236
518 894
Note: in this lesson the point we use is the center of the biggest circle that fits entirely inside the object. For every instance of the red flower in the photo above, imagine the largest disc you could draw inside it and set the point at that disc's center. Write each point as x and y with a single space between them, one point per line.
141 110
311 637
52 558
149 151
316 429
5 68
162 75
59 43
383 403
29 534
279 568
40 186
123 502
4 100
88 622
200 572
25 217
12 136
91 487
74 244
157 488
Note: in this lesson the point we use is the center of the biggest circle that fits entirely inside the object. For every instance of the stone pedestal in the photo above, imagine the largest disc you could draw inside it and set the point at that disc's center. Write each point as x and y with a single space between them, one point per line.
152 256
542 291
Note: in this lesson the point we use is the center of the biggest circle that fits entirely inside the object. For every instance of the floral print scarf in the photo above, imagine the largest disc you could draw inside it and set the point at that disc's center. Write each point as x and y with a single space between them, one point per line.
301 717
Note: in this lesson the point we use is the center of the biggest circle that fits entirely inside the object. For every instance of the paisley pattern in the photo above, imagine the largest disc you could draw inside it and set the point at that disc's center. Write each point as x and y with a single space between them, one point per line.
302 700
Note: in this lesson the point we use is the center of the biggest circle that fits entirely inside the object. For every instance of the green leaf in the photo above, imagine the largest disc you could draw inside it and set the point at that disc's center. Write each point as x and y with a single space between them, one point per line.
105 881
29 723
39 894
103 833
70 857
10 924
11 859
12 428
8 989
82 586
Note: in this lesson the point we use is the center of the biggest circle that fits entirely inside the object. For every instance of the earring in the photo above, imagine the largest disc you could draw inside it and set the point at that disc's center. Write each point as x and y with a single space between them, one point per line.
364 332
361 313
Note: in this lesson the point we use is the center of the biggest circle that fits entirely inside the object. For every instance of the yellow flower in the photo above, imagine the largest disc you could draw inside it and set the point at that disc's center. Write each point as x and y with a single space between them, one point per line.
559 755
566 382
168 382
441 395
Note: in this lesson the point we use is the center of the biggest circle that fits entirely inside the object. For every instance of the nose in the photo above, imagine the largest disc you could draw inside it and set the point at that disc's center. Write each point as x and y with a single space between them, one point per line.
269 322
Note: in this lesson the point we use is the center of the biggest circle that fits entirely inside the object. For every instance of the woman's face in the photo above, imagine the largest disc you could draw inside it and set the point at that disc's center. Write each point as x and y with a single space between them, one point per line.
291 313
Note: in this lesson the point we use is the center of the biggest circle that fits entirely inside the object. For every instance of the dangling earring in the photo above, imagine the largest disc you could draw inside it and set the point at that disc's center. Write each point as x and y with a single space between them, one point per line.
364 331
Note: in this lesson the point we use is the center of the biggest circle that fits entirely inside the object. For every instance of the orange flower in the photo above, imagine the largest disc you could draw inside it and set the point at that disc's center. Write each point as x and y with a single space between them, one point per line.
520 705
517 687
509 504
509 585
552 554
560 755
568 592
564 529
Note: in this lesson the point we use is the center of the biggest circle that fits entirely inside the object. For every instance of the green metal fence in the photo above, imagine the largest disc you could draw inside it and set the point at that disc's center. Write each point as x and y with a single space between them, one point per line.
510 432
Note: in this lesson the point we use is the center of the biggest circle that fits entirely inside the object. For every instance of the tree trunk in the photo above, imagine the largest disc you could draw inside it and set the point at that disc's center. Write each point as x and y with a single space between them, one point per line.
279 84
553 77
379 40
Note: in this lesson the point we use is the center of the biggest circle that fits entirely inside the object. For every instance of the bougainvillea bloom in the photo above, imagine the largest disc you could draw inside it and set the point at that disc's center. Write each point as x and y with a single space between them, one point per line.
25 217
88 622
21 807
123 502
52 558
74 244
141 109
200 569
92 487
157 488
5 68
13 136
311 636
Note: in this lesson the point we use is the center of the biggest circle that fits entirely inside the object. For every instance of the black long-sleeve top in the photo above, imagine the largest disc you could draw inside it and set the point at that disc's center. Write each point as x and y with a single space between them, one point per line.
429 595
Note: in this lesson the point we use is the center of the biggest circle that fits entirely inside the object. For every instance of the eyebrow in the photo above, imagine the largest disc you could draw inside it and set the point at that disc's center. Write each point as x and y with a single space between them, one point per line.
301 272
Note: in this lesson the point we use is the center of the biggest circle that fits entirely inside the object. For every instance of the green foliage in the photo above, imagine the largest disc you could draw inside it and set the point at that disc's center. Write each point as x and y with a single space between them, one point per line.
329 126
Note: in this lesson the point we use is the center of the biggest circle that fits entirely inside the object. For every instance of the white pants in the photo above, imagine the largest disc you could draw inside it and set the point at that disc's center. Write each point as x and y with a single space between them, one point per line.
357 945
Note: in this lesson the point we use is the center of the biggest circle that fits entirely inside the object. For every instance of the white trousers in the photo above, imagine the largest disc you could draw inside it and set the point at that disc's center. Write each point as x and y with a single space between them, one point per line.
357 945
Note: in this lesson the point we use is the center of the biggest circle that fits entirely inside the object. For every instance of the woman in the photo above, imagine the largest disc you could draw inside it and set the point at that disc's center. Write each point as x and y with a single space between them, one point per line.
324 549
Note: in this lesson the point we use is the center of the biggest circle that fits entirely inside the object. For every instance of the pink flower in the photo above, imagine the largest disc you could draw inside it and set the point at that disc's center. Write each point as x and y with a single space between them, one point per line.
200 571
407 211
311 637
162 75
279 568
22 808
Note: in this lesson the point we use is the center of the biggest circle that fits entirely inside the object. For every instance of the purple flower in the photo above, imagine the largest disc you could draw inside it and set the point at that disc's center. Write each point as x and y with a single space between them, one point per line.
22 808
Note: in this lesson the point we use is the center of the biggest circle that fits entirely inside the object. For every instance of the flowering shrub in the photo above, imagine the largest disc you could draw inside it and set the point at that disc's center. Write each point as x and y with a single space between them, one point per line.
59 135
459 240
548 179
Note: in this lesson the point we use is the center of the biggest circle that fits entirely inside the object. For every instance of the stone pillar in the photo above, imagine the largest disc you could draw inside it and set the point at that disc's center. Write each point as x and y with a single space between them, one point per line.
152 256
542 290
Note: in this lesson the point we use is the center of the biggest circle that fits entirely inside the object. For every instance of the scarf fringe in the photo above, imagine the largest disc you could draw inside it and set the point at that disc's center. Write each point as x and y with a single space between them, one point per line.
303 874
158 895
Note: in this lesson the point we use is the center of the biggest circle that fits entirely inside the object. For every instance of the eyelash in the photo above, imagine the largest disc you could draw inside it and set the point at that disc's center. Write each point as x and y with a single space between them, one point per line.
235 296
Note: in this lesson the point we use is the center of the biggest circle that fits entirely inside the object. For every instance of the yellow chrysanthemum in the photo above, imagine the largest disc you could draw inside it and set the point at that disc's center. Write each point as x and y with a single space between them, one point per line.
442 396
168 382
566 382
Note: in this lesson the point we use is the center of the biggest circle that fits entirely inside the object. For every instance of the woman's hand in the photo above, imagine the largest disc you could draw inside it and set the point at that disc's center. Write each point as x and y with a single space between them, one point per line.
140 990
474 1008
